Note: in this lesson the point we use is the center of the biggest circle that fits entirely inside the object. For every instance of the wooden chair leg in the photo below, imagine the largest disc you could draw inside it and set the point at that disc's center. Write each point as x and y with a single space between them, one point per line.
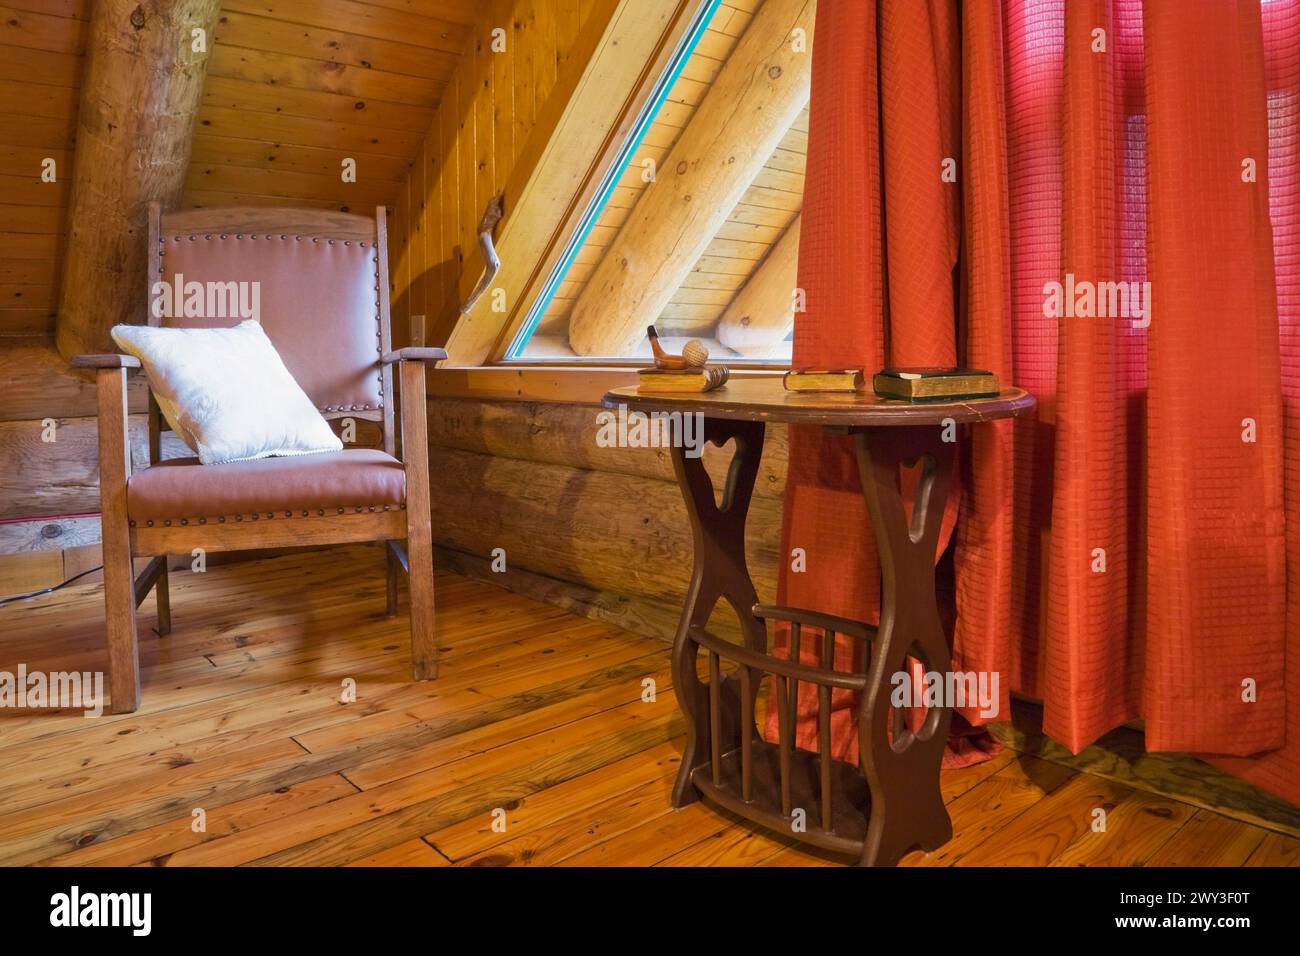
163 596
119 615
424 645
394 569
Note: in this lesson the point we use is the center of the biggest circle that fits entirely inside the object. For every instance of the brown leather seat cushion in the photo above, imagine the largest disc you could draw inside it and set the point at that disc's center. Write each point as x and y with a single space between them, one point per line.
350 479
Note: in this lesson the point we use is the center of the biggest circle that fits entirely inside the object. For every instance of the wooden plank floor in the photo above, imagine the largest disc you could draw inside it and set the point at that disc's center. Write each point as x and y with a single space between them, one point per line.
537 720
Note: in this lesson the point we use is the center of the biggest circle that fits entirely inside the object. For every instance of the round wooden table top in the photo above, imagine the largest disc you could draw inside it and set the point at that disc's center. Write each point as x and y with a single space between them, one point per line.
766 400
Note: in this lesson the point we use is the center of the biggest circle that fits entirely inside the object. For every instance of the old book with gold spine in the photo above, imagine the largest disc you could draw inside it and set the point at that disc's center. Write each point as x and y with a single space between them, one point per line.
704 379
825 380
935 384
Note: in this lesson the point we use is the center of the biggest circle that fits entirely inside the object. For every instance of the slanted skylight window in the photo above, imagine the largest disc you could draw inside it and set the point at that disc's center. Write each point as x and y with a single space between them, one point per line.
725 121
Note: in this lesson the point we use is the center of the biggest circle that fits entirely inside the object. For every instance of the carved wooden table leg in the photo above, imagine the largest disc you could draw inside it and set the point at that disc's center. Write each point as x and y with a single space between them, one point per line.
903 773
719 572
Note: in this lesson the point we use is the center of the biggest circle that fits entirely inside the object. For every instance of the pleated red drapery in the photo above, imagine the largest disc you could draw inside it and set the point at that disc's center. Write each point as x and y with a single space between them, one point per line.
1134 551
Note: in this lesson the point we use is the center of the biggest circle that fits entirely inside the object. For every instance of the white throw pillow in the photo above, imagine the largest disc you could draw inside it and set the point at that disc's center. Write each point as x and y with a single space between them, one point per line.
226 392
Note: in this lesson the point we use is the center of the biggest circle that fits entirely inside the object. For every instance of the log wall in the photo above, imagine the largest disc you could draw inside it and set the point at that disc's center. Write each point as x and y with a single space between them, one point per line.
601 531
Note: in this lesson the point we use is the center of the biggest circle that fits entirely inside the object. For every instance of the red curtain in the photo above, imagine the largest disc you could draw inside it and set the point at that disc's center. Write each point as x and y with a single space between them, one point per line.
1125 554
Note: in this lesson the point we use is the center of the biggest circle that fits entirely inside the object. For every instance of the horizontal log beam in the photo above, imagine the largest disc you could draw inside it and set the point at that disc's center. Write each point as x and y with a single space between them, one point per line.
48 534
566 434
36 383
61 477
601 530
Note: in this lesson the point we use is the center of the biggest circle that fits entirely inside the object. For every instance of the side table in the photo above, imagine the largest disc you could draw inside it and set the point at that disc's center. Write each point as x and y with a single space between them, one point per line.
892 802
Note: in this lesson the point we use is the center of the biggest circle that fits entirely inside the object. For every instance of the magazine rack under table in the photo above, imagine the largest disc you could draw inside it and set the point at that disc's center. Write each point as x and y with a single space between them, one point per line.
892 802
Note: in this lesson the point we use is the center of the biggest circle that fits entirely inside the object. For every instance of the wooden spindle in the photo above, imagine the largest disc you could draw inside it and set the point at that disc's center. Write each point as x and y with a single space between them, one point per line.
824 746
796 635
715 717
746 734
785 734
828 650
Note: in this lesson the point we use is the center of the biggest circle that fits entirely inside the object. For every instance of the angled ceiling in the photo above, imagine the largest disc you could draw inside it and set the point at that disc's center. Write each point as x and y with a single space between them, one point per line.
770 205
294 87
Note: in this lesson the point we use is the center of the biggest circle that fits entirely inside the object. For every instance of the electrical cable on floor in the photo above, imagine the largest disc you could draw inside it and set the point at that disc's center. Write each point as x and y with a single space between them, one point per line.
49 590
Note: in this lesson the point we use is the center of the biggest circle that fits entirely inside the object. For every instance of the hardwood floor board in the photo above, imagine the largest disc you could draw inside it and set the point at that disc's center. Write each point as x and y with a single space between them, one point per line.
1208 839
1136 829
1276 850
1120 756
160 841
549 845
618 702
986 809
410 853
377 819
312 714
655 840
535 711
46 830
736 845
476 835
1045 829
801 855
471 707
373 758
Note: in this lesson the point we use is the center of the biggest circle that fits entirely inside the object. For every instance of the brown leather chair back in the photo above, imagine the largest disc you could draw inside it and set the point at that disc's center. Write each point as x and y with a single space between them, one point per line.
317 280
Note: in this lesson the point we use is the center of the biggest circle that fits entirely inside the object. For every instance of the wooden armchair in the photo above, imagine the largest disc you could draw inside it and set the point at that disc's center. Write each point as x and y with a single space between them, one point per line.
323 283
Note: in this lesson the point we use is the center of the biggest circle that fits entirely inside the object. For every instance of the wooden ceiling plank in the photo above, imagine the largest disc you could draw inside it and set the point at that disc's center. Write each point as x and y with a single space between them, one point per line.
332 107
761 215
203 199
72 9
773 198
38 100
362 19
39 220
737 23
29 190
734 131
20 245
301 73
456 11
762 313
41 31
715 44
27 271
749 232
25 161
249 32
366 191
43 66
38 132
787 160
353 137
769 178
224 151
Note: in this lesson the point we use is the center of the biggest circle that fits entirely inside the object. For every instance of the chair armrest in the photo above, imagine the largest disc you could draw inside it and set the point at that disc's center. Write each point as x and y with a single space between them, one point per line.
413 354
105 361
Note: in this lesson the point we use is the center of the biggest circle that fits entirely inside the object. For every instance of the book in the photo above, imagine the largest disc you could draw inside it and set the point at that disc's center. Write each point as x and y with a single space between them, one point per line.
825 379
935 384
682 379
